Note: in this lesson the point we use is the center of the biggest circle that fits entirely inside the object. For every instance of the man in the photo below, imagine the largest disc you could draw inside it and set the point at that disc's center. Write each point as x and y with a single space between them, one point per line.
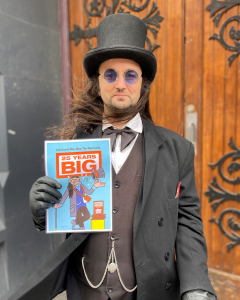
157 249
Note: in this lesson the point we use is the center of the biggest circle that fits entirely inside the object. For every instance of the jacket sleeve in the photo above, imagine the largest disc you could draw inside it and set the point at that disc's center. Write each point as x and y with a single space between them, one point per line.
64 197
39 226
191 249
88 191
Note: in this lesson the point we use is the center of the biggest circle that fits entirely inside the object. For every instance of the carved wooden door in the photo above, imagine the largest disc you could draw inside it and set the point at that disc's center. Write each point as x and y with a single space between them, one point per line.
221 133
193 77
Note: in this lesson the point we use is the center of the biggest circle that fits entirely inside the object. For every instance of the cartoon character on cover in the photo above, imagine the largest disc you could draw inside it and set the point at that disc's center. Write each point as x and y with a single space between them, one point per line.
78 199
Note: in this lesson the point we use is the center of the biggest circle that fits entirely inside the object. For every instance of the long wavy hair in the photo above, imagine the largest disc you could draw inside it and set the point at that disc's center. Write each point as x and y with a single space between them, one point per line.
87 111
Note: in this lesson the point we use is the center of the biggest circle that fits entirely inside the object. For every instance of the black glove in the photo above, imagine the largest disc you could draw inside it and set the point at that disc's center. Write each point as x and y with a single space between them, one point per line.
198 295
43 194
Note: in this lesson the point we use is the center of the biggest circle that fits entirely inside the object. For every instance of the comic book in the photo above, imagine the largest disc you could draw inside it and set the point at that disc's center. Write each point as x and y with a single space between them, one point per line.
83 167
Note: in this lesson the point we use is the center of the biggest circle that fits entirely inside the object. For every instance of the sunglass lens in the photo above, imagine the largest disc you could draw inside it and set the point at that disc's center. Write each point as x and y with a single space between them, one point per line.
131 77
110 75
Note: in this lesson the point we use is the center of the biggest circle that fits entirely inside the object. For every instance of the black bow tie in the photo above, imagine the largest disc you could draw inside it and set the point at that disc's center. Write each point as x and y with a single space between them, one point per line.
127 136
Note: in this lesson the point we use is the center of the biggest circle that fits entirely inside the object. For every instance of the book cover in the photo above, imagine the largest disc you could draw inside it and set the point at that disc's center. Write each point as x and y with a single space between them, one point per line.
83 167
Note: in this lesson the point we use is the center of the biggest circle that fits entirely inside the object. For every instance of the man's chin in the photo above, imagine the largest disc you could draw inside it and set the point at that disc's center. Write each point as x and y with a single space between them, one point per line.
121 105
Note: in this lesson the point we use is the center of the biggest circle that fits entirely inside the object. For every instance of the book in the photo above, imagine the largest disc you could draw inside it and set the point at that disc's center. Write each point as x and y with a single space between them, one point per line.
83 167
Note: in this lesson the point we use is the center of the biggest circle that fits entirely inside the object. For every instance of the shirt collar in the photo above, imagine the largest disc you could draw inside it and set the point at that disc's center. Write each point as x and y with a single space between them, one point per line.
135 124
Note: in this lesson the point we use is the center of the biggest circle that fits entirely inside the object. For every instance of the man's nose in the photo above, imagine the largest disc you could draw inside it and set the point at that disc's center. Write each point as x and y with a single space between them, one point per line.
120 82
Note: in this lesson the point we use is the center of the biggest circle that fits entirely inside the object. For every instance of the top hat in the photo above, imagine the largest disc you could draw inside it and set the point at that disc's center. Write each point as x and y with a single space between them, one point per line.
121 36
97 173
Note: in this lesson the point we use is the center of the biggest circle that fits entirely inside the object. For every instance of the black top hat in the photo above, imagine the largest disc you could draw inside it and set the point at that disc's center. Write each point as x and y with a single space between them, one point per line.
98 173
121 36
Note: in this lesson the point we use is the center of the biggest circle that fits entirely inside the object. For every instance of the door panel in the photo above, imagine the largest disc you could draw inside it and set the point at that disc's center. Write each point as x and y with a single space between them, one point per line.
219 123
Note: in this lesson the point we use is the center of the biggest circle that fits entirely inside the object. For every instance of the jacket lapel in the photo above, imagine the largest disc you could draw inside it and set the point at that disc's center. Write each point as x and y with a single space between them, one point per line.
152 141
97 133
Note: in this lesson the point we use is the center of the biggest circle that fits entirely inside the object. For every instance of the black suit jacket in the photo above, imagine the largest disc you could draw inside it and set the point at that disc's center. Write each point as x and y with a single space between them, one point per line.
168 160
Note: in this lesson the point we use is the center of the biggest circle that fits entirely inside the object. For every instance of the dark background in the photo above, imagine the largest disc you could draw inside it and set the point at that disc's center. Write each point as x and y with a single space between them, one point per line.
30 101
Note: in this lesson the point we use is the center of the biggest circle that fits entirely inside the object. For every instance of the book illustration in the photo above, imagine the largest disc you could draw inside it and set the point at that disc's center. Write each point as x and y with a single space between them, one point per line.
85 176
98 216
78 194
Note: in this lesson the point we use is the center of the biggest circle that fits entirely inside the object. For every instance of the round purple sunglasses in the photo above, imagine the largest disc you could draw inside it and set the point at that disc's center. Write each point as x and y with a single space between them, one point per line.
130 76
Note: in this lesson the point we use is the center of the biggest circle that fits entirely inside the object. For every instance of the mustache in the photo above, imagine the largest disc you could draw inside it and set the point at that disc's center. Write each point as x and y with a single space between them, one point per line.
119 92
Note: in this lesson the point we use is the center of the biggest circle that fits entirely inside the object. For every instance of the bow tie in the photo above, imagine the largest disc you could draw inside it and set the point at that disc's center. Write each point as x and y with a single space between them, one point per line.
127 136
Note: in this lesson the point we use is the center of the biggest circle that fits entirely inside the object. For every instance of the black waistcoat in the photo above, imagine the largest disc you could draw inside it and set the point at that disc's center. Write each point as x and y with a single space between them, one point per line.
97 247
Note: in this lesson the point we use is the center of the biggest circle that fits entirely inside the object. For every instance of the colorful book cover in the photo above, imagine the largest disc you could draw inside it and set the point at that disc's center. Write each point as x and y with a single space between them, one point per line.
83 167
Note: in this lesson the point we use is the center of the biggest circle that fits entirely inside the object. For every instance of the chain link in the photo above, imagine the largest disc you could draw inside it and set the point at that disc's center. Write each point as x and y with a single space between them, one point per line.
111 256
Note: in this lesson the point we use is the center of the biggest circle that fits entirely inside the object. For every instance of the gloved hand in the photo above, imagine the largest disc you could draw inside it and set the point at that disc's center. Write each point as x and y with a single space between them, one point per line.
198 295
43 194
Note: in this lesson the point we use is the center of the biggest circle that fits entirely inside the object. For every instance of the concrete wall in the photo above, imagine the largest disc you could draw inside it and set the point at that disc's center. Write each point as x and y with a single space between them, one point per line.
30 101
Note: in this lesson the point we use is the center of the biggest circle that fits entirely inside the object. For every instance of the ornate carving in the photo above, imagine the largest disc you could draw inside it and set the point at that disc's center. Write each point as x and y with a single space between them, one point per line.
94 4
218 192
96 8
231 235
77 34
234 166
134 7
216 6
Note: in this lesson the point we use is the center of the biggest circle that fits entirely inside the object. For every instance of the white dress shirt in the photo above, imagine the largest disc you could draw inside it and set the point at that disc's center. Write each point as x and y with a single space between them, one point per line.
118 156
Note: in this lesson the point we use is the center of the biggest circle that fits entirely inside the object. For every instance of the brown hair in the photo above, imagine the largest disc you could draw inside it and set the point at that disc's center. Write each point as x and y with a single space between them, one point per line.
70 187
88 108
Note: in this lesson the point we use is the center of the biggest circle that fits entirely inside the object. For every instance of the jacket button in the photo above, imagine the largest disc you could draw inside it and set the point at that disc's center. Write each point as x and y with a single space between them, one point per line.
115 210
166 256
160 222
110 290
168 285
117 185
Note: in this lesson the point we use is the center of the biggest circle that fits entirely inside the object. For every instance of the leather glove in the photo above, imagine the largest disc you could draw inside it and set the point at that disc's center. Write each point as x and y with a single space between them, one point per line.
198 295
43 194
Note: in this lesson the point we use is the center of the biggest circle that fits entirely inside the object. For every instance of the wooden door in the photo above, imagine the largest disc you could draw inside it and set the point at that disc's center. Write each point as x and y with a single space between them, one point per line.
221 135
192 70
